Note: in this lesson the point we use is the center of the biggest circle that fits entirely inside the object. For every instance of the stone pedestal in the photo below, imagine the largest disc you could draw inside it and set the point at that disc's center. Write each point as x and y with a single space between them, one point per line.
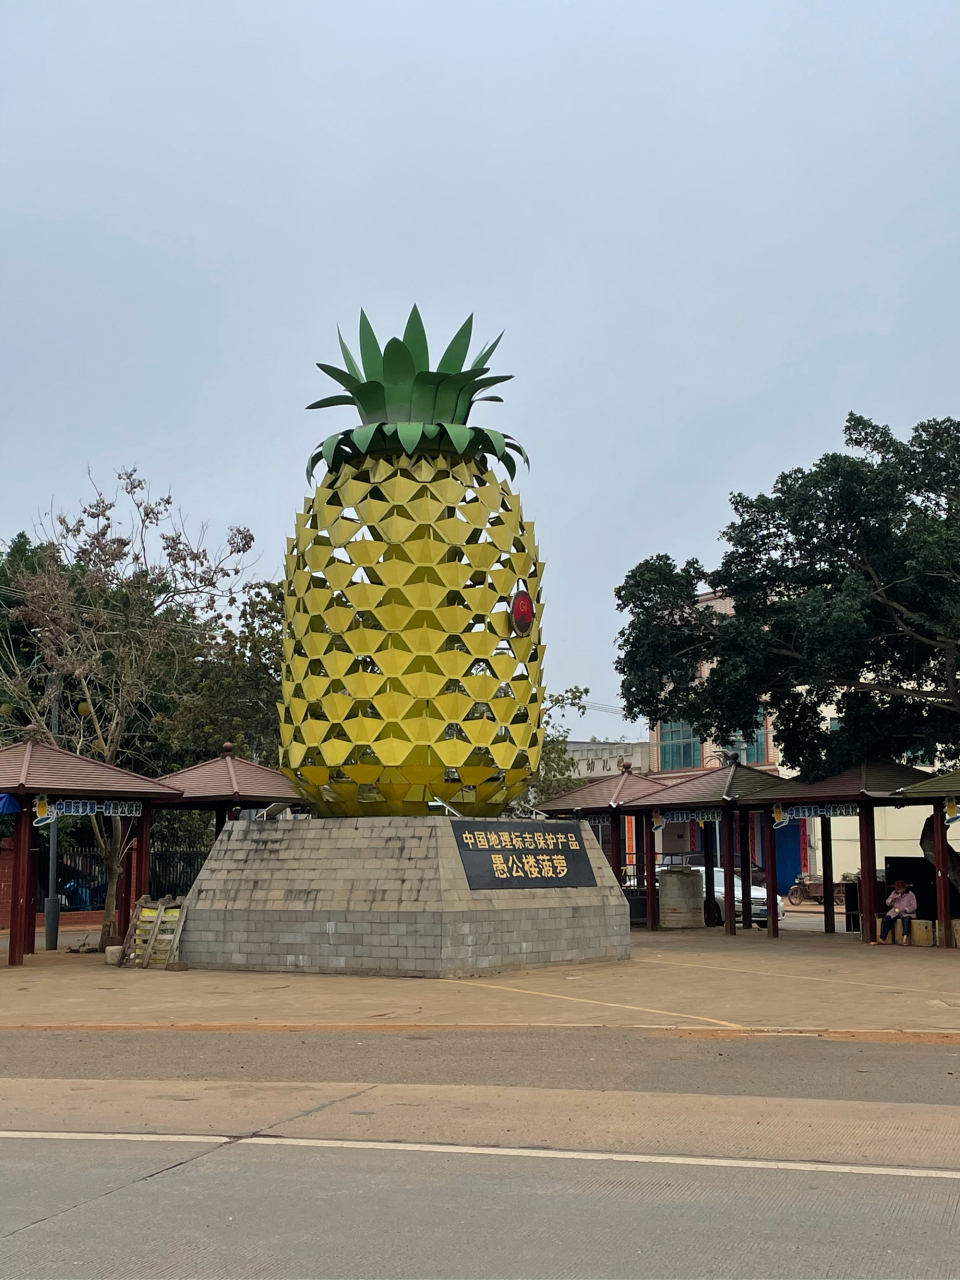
390 896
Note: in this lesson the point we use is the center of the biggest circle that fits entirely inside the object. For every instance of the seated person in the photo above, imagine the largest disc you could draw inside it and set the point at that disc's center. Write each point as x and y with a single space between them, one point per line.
903 906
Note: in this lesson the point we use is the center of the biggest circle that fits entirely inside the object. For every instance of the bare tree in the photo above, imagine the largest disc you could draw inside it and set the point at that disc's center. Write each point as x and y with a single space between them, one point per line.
110 609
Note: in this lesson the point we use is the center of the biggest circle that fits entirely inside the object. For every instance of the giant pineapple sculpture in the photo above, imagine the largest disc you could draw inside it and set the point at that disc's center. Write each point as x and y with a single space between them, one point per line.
412 651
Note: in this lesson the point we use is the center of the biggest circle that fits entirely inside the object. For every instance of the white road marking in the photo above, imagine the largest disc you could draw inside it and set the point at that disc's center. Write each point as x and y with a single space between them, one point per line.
116 1137
438 1148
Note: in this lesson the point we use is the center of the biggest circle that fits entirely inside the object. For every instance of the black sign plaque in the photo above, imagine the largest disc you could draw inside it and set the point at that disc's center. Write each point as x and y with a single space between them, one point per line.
523 855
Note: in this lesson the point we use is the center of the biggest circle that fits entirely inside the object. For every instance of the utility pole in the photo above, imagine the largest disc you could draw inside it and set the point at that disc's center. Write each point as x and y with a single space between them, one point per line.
51 905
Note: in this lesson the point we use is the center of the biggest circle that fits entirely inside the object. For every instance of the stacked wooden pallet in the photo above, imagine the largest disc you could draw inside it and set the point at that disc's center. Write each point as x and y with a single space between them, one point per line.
153 939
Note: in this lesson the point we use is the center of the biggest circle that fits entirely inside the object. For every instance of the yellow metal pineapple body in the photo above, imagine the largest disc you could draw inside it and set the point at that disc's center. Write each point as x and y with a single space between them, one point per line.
405 680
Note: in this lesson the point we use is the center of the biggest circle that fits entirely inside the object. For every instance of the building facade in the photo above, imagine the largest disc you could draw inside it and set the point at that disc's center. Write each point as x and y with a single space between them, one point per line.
595 760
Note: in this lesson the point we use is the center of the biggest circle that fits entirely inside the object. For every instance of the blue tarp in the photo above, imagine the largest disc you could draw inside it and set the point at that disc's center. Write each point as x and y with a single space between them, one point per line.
8 803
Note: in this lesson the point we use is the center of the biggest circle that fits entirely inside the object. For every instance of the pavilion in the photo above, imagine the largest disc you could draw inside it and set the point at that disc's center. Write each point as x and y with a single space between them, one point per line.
727 796
724 795
77 785
856 792
229 783
606 800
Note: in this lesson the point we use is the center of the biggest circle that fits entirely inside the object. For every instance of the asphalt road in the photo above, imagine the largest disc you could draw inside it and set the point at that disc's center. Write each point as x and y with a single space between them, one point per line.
125 1209
549 1058
115 1209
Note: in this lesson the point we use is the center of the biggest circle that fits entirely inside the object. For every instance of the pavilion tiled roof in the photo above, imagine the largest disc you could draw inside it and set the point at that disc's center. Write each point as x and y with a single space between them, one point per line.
731 783
37 768
620 790
230 780
933 788
875 778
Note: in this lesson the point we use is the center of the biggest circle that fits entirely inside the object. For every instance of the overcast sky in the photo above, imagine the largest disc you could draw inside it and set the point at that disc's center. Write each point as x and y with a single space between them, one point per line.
709 230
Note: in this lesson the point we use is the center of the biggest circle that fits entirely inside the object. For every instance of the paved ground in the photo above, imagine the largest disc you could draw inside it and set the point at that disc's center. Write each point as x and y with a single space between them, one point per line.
66 938
698 979
809 919
92 1209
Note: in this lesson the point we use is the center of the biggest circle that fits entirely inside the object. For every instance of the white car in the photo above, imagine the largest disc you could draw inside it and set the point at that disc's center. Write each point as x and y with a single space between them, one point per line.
758 895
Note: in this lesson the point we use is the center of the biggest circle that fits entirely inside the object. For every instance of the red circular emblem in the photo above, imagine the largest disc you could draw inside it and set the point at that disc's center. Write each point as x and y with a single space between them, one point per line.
521 613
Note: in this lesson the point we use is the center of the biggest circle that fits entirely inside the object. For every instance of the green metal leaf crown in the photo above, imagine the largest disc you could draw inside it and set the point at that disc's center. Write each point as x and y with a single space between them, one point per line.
404 405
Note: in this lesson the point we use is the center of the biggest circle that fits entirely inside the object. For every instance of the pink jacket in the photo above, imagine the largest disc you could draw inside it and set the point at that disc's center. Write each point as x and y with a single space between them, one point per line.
902 904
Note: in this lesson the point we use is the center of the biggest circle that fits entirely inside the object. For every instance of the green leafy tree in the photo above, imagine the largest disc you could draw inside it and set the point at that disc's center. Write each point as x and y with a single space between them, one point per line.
845 590
557 773
234 687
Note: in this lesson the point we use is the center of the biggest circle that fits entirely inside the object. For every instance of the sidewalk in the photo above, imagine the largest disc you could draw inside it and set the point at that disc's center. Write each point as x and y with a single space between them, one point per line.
697 981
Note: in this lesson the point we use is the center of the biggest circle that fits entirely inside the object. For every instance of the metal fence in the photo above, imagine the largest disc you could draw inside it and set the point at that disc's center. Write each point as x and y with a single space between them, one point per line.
82 881
173 871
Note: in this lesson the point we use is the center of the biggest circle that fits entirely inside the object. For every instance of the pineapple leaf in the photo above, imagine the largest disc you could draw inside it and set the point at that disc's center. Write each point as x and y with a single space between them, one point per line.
370 350
484 383
448 394
498 442
315 457
487 352
361 436
517 448
458 435
409 434
328 448
398 367
340 375
329 401
464 404
415 337
372 401
403 404
452 359
423 398
348 358
466 397
398 376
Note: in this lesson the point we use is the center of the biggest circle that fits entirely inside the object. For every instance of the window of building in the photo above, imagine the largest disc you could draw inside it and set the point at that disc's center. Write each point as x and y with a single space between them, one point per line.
753 751
679 746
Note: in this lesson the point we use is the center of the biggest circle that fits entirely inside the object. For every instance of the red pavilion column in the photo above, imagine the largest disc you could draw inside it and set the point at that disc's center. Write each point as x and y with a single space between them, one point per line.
729 894
18 888
770 874
746 879
616 845
30 910
140 866
650 871
124 883
941 858
868 873
826 866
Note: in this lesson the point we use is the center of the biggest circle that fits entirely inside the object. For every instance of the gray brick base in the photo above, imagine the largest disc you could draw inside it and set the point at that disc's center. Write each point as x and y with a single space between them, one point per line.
384 896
